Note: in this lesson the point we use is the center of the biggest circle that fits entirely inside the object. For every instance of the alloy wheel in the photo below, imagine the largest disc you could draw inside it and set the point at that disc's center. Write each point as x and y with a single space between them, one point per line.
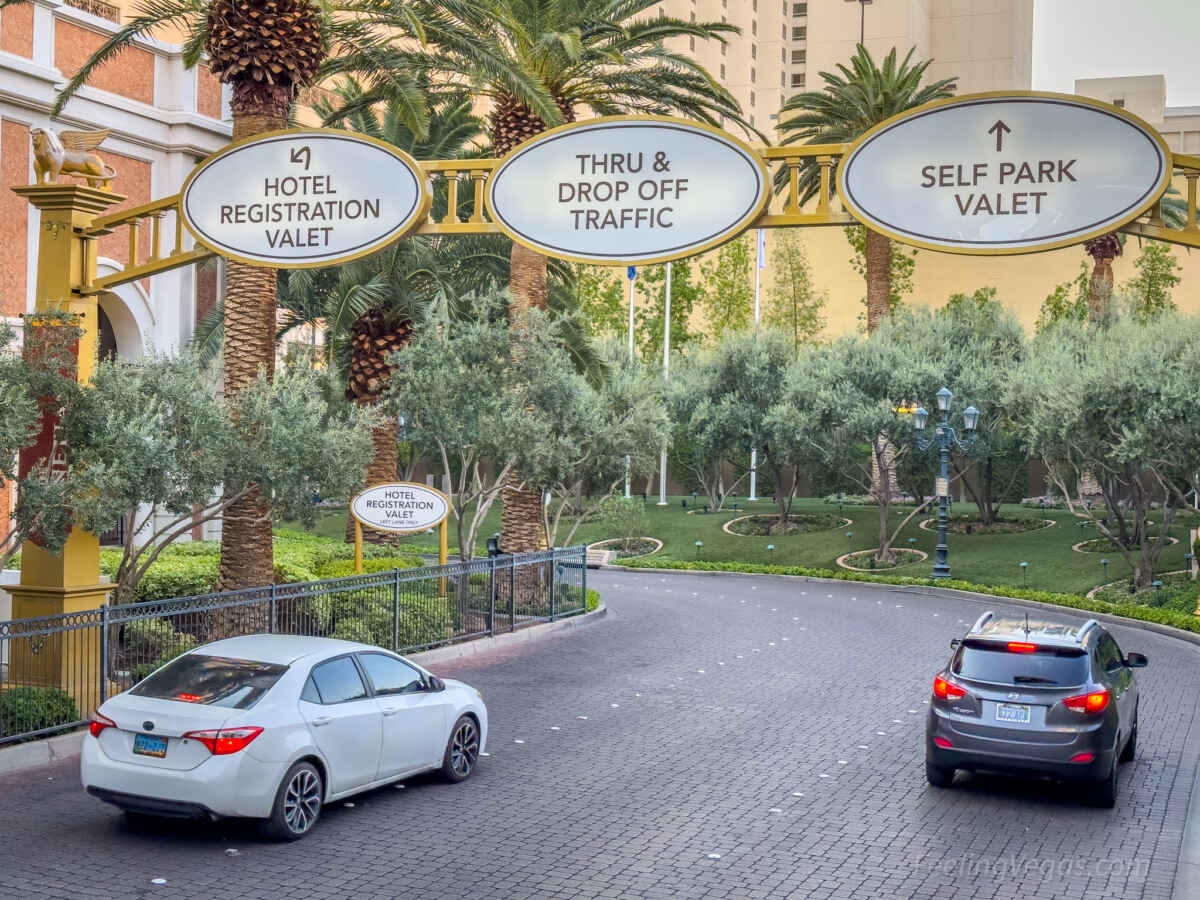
302 801
464 749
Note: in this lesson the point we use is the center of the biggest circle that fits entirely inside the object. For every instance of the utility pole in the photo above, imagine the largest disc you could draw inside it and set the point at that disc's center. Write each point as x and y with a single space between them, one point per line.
662 460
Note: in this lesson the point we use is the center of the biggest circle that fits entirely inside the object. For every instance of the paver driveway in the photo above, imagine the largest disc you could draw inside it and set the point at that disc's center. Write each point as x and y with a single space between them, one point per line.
714 736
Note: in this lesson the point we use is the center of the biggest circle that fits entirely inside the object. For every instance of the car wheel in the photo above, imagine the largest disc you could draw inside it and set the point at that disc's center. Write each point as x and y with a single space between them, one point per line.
938 776
1106 790
297 803
462 750
1130 745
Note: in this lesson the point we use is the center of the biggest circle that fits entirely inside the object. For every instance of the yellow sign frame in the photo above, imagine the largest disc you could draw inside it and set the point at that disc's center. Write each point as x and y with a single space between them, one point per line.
964 99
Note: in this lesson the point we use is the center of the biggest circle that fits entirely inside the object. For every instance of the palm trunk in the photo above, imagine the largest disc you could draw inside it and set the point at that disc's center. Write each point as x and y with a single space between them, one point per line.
521 526
879 279
1100 290
247 557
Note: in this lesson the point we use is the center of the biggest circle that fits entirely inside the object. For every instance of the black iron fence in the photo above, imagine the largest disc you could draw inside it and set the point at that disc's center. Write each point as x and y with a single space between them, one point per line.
55 670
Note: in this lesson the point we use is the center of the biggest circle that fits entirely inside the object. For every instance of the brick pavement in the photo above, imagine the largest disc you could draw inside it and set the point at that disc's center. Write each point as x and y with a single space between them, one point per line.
717 736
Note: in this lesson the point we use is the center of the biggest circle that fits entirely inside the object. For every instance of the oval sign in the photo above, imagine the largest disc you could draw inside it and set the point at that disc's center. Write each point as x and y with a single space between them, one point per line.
1004 173
301 198
621 190
400 507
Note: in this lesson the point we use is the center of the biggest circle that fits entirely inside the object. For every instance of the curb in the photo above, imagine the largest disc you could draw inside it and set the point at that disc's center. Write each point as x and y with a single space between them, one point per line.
501 641
36 754
950 593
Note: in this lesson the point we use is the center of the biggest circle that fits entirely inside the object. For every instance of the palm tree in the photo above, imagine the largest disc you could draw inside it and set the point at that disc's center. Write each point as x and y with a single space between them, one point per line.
856 98
267 50
539 63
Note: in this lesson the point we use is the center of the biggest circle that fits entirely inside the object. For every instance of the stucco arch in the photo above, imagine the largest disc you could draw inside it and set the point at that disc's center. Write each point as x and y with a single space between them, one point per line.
127 307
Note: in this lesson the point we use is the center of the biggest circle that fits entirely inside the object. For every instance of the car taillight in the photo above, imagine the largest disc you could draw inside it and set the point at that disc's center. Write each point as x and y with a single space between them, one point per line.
942 742
1089 704
99 723
1021 647
223 741
1083 757
945 690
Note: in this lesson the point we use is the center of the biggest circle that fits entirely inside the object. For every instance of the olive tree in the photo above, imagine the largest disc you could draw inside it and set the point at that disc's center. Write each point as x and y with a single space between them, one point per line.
150 443
1117 403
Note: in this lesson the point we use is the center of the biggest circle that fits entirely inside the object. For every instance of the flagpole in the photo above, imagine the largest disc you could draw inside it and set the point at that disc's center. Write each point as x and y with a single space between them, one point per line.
662 459
631 272
758 267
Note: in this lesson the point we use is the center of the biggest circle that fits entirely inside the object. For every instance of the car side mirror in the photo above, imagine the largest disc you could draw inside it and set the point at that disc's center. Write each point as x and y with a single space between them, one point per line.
1136 660
955 643
435 684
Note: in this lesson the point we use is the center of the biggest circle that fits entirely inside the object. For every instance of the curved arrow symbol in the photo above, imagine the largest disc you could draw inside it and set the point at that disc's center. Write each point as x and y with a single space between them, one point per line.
302 152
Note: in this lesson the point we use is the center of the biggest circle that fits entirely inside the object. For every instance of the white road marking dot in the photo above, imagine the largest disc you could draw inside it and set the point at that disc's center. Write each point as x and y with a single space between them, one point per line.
926 702
774 609
232 851
841 762
879 603
797 794
158 881
795 618
770 643
804 593
555 728
584 718
699 671
787 639
775 809
899 606
802 628
853 598
754 587
863 747
720 664
714 856
912 710
881 732
637 695
896 721
613 705
518 741
822 775
830 596
739 656
935 615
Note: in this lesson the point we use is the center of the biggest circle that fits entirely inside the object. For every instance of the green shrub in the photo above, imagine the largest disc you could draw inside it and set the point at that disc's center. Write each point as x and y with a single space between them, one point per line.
32 709
425 620
342 567
153 643
593 600
1162 616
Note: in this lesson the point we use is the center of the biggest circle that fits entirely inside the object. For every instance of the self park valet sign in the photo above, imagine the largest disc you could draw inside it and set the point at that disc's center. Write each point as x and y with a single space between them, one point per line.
302 198
627 190
400 507
1004 173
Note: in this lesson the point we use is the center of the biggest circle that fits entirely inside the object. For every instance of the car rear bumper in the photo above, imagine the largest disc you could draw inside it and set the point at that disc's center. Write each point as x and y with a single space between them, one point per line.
232 785
1035 757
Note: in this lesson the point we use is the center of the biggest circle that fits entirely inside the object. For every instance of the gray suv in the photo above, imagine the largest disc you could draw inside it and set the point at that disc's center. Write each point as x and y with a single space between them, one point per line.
1035 697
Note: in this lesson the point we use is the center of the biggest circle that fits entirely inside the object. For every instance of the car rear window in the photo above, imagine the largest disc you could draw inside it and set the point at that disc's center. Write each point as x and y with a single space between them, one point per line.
998 665
211 681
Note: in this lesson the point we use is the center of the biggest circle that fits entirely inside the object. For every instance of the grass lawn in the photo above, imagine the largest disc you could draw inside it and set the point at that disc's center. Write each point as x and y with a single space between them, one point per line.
984 559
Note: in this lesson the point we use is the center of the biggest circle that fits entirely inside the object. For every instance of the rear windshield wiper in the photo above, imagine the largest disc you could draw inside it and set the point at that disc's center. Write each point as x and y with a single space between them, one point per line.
1032 679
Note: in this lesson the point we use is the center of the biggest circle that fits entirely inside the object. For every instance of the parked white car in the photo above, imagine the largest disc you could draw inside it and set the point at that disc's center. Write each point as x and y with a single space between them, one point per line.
273 727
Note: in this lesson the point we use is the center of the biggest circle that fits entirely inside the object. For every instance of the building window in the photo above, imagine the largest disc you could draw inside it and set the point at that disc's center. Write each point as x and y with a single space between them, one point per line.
752 98
799 9
722 71
782 80
754 51
724 49
797 79
754 27
692 44
799 56
800 33
753 75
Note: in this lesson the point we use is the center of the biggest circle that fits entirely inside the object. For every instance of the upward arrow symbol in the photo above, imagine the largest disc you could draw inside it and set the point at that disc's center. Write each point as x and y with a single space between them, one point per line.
999 129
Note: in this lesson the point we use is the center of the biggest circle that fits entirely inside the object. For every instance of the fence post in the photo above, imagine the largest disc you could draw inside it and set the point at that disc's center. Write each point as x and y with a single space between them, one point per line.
103 652
271 611
512 593
553 578
396 611
491 628
583 570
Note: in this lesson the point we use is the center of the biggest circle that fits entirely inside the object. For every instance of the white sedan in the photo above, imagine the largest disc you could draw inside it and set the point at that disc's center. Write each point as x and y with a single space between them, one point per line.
274 726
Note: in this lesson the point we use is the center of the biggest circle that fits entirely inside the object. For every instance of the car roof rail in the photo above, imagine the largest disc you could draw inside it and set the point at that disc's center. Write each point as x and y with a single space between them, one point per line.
1087 626
983 620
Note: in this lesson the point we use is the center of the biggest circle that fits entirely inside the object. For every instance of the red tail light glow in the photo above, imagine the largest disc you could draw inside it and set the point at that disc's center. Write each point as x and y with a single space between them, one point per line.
189 698
945 690
1083 757
943 743
1088 704
99 723
223 741
1021 647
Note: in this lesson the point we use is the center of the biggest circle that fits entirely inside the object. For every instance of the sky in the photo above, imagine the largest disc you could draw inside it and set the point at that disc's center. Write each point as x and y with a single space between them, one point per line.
1103 38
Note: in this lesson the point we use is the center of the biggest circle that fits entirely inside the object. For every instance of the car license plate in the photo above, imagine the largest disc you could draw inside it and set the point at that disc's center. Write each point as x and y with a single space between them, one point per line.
1012 712
147 745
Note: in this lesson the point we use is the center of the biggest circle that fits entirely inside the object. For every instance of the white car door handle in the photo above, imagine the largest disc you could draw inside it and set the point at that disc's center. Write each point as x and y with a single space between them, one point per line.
390 710
321 720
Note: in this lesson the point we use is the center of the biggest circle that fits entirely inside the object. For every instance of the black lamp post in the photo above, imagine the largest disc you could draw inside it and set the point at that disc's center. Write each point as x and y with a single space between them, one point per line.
862 19
944 437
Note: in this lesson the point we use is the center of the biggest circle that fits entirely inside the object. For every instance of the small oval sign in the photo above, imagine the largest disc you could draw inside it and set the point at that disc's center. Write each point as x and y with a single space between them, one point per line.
302 198
400 507
1004 173
620 190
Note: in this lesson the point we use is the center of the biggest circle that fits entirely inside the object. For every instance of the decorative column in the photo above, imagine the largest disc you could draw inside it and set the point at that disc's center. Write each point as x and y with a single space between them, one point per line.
53 584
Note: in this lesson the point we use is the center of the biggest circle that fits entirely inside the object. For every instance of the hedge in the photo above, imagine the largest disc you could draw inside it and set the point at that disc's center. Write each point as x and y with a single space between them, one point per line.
1182 621
25 709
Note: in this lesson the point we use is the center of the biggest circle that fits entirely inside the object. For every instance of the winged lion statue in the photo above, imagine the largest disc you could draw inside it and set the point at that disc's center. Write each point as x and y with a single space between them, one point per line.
69 153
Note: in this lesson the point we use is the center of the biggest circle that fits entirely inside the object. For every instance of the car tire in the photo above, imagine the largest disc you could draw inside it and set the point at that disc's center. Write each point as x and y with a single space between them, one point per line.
462 750
297 804
1105 791
938 776
1130 749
